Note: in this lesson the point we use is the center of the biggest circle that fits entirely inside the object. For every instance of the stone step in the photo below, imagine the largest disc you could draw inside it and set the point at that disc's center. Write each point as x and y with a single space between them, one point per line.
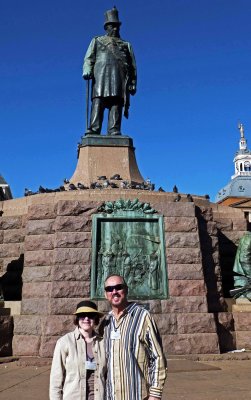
230 302
242 305
5 311
10 307
241 308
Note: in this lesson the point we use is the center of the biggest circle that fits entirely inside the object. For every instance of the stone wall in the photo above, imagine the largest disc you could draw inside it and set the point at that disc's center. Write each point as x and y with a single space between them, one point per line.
54 235
242 324
221 228
56 273
187 304
12 233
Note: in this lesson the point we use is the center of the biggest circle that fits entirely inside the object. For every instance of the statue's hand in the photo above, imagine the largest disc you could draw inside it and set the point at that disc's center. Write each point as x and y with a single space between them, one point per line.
132 89
87 76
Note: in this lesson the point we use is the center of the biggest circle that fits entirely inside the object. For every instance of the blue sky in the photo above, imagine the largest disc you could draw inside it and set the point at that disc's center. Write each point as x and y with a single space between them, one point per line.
194 85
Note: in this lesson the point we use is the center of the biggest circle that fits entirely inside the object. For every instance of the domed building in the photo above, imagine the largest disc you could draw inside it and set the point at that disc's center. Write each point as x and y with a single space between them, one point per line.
237 193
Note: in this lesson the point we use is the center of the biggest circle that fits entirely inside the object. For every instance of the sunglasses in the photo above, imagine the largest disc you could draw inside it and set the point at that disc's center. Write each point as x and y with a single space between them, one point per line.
120 286
88 315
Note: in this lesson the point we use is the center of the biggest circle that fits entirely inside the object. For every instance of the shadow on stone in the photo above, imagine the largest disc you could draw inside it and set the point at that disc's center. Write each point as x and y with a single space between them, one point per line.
225 334
11 282
227 252
209 252
218 254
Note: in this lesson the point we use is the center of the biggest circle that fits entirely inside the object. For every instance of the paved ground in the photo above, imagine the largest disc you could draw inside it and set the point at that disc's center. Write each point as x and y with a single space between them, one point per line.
188 380
230 381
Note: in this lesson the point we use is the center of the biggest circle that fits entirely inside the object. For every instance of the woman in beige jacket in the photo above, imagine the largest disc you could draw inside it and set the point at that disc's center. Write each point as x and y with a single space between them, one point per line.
78 370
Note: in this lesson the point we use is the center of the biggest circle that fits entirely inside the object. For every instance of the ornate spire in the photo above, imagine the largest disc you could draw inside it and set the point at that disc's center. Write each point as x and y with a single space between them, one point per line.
242 160
241 129
243 142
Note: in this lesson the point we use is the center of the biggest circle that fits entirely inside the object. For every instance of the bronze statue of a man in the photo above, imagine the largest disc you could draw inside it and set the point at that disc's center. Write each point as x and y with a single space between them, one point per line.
242 268
110 63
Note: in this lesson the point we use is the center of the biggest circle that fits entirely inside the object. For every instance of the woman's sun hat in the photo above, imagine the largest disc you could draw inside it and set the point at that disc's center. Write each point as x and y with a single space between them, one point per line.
87 306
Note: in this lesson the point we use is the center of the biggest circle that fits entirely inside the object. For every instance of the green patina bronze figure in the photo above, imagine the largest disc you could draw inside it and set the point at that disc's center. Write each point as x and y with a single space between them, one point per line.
110 64
242 269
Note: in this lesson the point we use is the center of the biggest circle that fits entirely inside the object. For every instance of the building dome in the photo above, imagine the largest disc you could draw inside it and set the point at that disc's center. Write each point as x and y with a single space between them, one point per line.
240 184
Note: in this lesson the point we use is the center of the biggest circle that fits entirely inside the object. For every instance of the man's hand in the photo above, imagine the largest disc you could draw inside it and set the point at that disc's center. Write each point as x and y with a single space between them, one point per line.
153 398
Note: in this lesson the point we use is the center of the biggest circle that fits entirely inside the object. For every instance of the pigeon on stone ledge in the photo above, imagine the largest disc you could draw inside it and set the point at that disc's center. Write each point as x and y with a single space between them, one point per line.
189 198
81 186
116 177
72 186
28 192
177 198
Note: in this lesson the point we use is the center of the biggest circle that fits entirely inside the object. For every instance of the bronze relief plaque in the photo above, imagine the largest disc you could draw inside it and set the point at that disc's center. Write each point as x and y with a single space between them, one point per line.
128 239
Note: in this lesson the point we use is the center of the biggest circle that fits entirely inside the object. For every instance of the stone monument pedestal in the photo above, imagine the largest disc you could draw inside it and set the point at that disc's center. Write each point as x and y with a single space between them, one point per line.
241 305
242 322
106 156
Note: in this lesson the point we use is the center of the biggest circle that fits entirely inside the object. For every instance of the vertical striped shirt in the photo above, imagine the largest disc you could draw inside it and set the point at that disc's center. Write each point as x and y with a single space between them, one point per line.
136 363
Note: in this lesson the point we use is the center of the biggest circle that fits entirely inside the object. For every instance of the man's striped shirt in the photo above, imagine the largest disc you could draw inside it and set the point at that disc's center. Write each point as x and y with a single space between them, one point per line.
136 363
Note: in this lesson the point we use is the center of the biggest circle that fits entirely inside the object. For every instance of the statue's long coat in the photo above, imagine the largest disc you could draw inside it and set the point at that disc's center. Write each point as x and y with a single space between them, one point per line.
112 64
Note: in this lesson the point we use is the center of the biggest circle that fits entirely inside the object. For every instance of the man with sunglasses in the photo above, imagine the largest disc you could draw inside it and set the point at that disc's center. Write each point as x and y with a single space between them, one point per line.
135 360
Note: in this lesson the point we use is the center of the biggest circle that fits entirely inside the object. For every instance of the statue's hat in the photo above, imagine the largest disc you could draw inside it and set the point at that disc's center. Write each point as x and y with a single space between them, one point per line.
112 17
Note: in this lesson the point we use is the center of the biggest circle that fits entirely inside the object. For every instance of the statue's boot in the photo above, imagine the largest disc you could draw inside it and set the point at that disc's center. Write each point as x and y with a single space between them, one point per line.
91 132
